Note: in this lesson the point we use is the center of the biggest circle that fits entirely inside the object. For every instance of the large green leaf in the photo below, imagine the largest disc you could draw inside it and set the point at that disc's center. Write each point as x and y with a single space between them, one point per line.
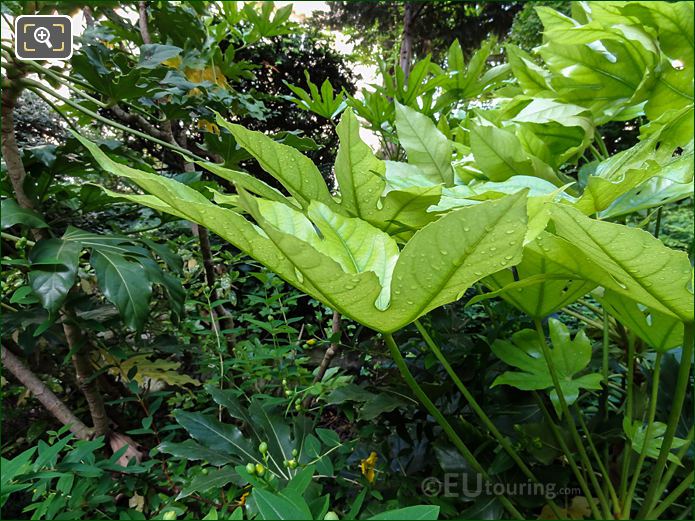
279 506
54 265
180 200
409 513
630 168
556 289
194 451
126 284
628 261
246 181
606 77
405 211
658 330
499 154
11 213
217 436
637 434
426 146
569 357
459 249
673 182
358 172
153 54
214 480
531 77
296 172
357 246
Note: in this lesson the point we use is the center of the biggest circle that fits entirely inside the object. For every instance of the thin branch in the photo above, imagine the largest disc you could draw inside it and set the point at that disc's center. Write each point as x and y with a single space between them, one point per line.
144 31
43 394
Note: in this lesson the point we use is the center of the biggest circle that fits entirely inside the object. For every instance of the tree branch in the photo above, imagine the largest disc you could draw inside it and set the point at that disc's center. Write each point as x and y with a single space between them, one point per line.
43 394
144 31
84 374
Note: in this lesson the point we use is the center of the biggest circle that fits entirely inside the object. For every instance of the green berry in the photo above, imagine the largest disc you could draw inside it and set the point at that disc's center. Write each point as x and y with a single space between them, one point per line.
331 516
288 393
260 469
263 447
204 471
292 463
297 406
250 468
284 382
295 452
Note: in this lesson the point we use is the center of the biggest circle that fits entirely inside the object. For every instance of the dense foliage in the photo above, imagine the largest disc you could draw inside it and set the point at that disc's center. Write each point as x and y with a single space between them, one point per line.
219 302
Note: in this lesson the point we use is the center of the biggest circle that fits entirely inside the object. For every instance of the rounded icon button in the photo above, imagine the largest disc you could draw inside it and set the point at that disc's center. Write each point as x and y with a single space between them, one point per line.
43 37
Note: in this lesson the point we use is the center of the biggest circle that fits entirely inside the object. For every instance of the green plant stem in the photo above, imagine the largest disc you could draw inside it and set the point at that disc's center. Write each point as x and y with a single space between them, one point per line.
14 238
627 505
605 394
657 224
597 153
57 110
682 386
570 419
675 466
442 421
570 458
473 403
599 461
32 85
672 497
587 320
602 145
627 450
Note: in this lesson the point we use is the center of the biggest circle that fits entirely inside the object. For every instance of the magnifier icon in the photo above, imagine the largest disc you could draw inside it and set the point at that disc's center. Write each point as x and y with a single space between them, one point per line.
43 35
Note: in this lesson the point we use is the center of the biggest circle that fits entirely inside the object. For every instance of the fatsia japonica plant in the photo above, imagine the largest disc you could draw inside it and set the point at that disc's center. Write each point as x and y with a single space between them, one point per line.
519 196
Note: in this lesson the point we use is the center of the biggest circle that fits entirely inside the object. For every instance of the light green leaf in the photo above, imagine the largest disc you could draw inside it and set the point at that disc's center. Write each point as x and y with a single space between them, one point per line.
459 249
569 357
673 182
358 172
296 172
628 261
658 330
405 211
532 78
182 201
499 154
426 146
246 181
357 246
636 433
556 289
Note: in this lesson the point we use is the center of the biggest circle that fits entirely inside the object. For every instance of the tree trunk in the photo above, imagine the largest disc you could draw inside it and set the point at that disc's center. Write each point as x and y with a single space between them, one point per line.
43 394
84 374
17 174
406 57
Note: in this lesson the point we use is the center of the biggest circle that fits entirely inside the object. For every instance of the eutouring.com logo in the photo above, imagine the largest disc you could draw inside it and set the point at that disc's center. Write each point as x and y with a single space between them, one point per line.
473 485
